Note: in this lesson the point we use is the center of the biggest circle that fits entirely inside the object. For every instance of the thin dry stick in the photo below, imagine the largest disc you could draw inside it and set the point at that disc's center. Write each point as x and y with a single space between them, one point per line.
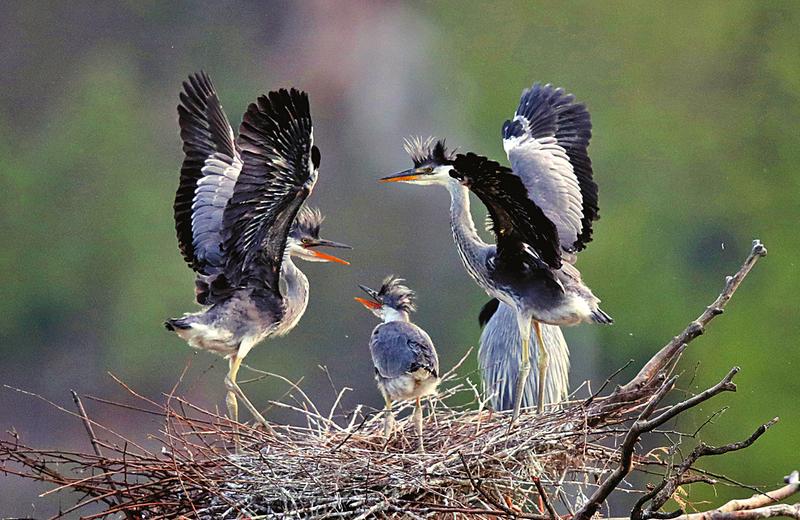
671 484
644 425
96 446
670 351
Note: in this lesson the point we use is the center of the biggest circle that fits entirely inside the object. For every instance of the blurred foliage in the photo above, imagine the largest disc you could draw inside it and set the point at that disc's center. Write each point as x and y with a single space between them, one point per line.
695 110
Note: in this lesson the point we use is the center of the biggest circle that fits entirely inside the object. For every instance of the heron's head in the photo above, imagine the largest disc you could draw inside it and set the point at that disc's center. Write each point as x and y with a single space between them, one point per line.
432 163
304 239
392 301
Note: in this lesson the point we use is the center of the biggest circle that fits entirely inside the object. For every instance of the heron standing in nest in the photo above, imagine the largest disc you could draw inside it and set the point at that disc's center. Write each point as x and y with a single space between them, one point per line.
240 219
405 360
541 210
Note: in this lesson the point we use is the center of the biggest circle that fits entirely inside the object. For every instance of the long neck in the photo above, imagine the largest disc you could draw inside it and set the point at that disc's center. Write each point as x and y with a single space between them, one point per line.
390 314
466 236
295 297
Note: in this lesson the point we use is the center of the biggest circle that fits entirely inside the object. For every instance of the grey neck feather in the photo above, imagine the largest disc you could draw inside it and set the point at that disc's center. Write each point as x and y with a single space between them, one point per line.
470 246
295 295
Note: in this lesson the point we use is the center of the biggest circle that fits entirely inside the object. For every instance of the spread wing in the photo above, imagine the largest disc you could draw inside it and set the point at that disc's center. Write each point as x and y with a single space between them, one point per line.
547 143
279 171
208 174
399 347
520 227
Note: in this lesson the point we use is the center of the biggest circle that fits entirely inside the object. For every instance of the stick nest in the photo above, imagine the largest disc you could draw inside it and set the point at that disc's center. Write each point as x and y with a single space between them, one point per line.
563 462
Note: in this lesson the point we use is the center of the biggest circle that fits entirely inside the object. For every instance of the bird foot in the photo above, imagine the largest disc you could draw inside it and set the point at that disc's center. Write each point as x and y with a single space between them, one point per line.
234 388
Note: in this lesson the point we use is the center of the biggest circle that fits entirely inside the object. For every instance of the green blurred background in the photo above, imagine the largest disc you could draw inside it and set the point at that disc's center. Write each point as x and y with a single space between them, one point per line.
695 109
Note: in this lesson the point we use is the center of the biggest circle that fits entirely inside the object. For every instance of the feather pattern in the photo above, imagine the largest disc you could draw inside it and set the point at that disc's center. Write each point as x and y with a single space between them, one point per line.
521 229
547 144
401 347
209 171
278 173
500 359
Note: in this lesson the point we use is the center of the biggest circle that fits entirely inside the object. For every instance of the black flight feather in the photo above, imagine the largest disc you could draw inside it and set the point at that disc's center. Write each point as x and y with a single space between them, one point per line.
487 311
276 142
516 220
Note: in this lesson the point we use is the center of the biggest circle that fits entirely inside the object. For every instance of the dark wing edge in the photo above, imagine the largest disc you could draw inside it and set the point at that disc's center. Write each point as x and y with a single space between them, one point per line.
516 220
551 111
276 144
399 348
206 134
487 311
424 355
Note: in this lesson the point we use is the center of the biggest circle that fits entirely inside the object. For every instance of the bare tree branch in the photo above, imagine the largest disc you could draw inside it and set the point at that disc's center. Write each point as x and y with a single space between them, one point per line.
644 425
672 350
678 478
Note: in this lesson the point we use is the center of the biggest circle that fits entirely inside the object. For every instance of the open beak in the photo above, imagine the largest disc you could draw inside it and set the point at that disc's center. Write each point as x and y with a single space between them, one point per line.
404 176
372 303
369 304
326 257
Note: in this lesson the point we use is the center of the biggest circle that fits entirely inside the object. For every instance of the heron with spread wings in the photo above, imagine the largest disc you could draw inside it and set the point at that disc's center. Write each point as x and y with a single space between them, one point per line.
541 209
240 219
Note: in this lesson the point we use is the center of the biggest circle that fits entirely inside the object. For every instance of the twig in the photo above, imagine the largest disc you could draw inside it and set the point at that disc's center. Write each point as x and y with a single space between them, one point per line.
671 350
476 484
96 446
672 483
643 425
608 380
549 507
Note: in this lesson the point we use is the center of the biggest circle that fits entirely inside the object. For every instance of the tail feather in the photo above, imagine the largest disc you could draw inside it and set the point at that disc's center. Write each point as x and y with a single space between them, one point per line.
174 324
599 316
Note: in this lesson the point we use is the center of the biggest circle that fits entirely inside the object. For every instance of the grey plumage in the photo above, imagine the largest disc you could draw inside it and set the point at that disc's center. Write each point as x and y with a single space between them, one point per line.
500 360
405 360
546 144
236 217
541 212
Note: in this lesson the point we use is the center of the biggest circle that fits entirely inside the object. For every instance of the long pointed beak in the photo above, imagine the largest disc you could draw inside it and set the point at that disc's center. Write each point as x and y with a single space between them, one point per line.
371 292
369 304
326 257
330 243
406 175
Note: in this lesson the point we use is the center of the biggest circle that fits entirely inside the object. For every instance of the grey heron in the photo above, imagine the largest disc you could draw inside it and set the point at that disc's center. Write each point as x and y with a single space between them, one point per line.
541 210
499 359
405 360
240 219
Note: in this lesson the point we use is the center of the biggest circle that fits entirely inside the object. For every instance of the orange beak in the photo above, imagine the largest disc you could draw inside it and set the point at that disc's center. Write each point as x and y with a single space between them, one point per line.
401 178
406 175
369 304
327 257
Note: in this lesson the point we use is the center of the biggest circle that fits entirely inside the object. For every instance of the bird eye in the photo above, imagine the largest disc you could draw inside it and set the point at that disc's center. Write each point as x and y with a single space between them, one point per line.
428 169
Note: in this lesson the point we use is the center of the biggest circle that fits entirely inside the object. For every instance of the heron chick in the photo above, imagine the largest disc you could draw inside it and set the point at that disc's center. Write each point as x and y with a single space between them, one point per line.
240 219
405 360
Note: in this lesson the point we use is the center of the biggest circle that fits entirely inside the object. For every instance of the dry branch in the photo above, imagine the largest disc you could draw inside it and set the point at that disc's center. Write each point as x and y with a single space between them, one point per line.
338 465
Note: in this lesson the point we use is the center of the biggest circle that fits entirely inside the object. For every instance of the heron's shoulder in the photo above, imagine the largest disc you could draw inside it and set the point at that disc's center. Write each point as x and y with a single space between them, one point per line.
398 328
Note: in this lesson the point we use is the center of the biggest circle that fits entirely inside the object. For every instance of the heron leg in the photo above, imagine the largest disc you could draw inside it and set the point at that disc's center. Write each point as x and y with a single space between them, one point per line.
525 369
235 391
388 419
542 362
230 398
418 424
